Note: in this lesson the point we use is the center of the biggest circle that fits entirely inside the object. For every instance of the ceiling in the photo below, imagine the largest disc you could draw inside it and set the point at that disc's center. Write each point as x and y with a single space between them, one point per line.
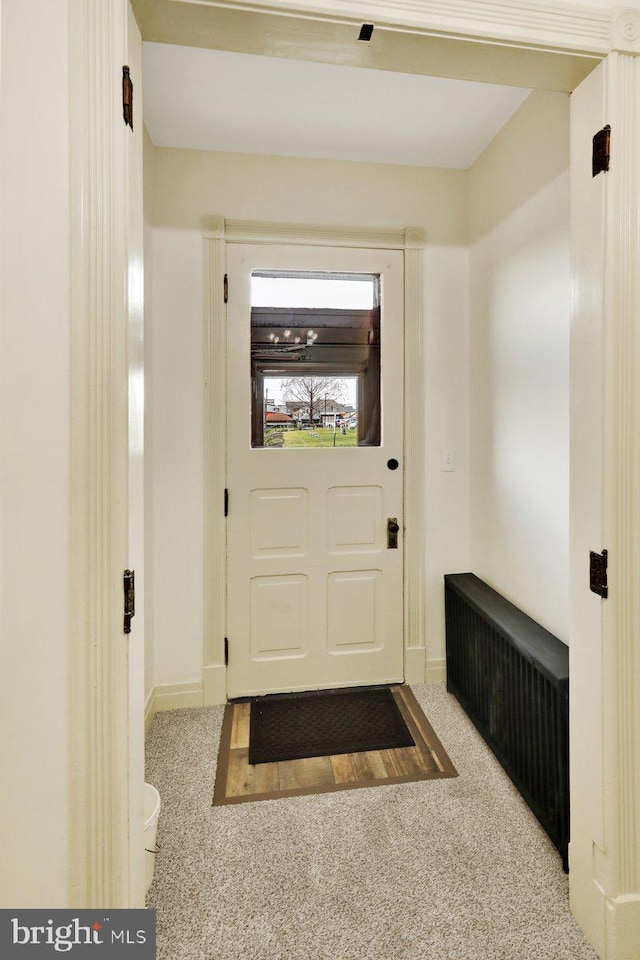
206 99
238 26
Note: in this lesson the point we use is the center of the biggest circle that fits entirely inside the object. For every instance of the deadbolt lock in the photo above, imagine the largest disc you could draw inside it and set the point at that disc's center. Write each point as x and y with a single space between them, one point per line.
393 529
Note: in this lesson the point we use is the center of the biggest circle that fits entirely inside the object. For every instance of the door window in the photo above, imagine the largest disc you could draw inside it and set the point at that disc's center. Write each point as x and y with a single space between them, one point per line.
315 360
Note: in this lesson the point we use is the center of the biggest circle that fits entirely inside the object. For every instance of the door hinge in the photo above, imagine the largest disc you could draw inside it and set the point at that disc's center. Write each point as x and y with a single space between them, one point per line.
226 502
129 585
601 151
226 288
226 651
598 573
127 97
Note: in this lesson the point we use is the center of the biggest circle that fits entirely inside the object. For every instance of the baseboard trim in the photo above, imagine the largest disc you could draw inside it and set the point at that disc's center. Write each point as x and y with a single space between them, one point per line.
176 696
622 919
149 710
213 690
414 664
215 685
436 671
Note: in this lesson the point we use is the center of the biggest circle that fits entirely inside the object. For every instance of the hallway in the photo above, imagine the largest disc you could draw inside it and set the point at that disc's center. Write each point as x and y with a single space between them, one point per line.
454 869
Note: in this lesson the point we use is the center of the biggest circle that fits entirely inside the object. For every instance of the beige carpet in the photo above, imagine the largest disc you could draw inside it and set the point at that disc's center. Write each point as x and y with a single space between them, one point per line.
452 869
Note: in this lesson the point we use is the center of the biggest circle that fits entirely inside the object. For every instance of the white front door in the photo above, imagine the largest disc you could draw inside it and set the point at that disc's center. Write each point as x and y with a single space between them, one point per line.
314 469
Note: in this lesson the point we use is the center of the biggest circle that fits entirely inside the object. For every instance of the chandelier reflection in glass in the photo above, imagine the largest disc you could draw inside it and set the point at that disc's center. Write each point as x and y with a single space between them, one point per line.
286 344
293 343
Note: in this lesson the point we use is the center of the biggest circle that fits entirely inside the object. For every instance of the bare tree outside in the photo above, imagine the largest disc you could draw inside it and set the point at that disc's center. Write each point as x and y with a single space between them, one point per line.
313 392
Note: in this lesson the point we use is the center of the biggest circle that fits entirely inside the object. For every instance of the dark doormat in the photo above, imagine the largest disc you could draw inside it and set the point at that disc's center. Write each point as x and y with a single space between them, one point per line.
354 720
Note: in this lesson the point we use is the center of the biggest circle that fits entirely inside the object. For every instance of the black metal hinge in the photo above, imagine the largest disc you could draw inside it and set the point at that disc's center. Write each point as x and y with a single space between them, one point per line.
226 502
601 152
226 288
129 585
598 573
127 97
226 651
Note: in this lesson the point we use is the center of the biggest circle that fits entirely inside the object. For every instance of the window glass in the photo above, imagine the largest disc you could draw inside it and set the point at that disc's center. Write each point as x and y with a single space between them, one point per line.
350 291
315 360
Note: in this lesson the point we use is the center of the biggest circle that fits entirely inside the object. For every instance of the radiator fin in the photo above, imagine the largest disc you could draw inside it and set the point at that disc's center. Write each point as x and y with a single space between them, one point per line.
512 678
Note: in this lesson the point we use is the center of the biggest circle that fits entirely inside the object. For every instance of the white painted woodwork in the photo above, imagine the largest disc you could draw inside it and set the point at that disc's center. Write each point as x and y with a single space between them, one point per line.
416 511
588 114
106 687
456 40
147 599
136 508
356 612
565 25
621 506
214 398
306 531
216 232
278 523
355 520
605 506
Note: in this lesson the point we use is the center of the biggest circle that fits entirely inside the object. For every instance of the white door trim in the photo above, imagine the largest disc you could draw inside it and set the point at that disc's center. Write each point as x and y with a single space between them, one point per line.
621 514
604 853
555 25
98 655
217 232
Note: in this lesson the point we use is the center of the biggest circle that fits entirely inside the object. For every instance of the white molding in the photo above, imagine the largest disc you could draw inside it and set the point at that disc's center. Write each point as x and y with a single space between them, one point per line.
149 710
414 664
178 696
436 671
215 684
215 416
621 507
622 924
552 25
625 30
217 231
414 449
308 234
213 228
99 787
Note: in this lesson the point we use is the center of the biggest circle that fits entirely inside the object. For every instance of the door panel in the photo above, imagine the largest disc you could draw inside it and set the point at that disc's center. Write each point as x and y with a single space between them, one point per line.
279 523
355 619
355 520
279 617
314 595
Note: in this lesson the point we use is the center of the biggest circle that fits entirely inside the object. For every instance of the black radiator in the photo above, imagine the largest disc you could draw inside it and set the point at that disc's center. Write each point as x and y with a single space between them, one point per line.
512 678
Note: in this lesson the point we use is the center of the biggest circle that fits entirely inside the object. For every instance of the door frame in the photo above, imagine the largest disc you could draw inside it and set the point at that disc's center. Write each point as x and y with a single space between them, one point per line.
217 232
106 859
607 33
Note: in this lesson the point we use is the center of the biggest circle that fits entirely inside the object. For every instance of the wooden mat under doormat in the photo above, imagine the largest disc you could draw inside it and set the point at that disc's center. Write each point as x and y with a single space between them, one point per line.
238 781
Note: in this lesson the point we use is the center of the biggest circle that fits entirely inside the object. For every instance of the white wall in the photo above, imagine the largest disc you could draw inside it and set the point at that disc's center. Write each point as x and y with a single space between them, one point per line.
519 361
34 445
189 185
